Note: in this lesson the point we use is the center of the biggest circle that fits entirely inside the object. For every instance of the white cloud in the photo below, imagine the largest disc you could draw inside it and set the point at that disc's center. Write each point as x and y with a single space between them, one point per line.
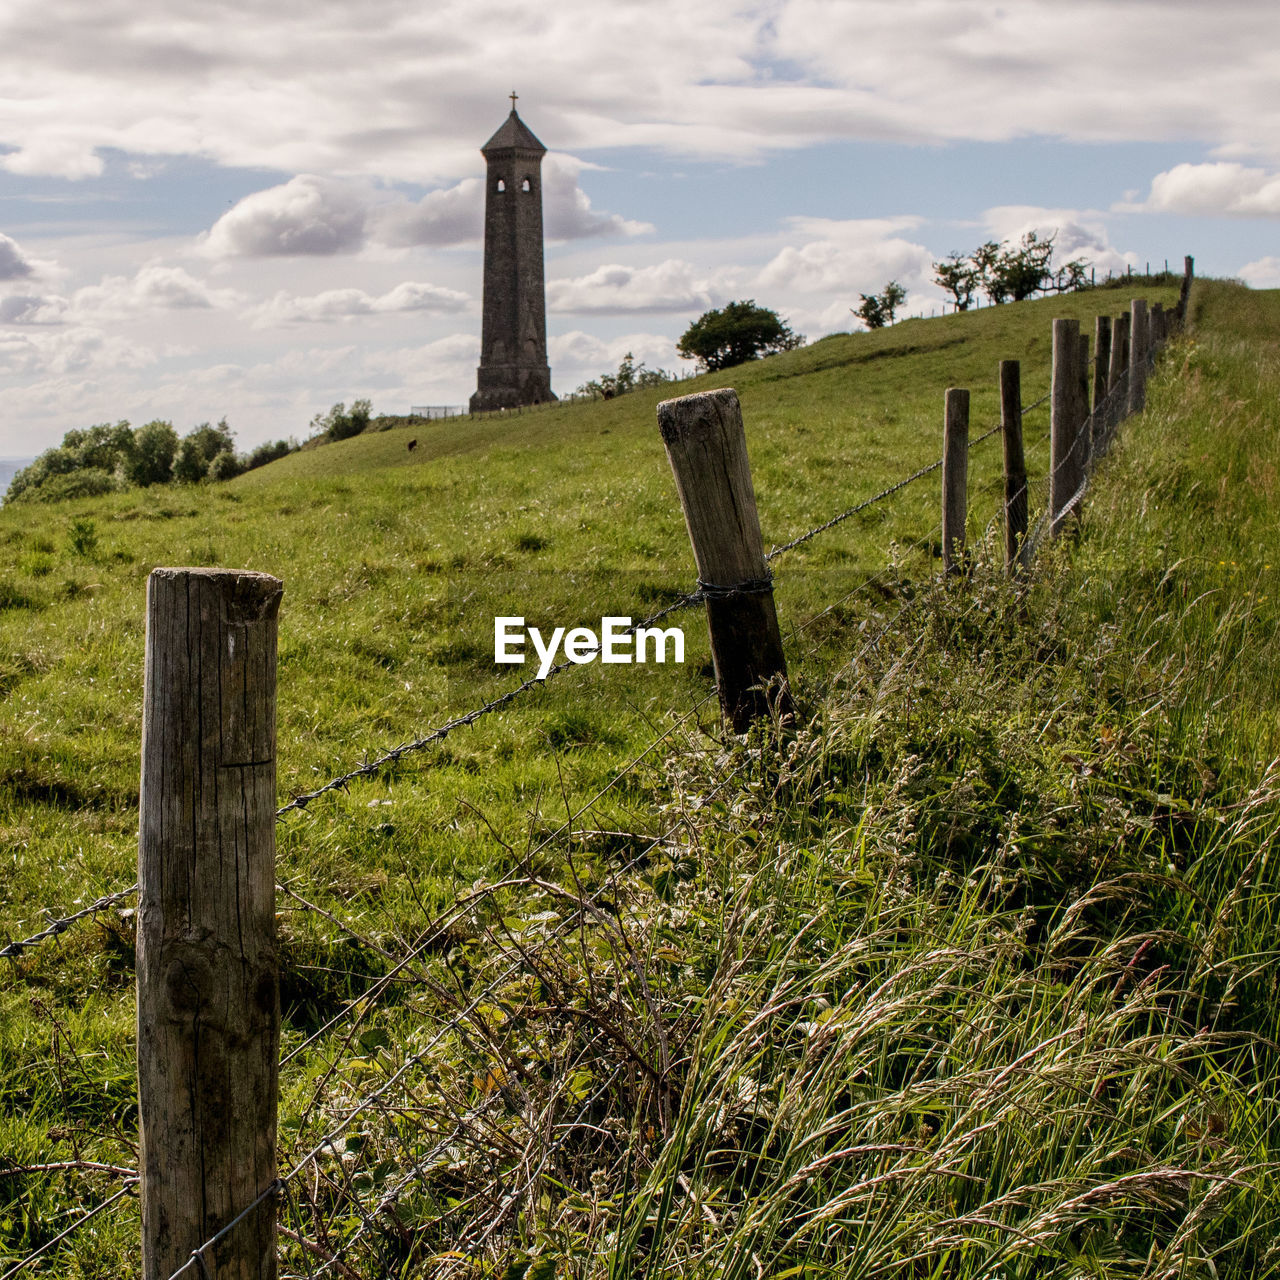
306 215
26 308
566 208
1214 190
14 263
1262 274
311 215
848 257
614 289
288 87
345 304
451 215
54 156
153 288
72 350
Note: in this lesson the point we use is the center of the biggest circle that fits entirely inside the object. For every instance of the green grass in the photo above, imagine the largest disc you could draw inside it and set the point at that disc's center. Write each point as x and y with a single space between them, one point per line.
971 978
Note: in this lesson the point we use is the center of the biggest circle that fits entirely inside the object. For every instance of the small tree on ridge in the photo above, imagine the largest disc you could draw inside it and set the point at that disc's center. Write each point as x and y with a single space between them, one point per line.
734 334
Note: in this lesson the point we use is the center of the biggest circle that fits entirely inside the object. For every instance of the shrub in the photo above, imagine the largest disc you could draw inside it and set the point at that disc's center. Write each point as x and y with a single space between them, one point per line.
270 452
151 459
738 332
341 424
199 447
225 466
83 537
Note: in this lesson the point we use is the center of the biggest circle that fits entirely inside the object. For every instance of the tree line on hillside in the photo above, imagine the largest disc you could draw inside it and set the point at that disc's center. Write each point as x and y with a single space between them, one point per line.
109 458
630 377
1005 272
1008 273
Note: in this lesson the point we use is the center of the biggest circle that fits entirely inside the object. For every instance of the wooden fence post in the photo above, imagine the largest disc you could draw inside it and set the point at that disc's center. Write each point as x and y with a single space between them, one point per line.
1156 320
1139 344
955 478
1015 466
1188 274
208 993
707 448
1119 351
1101 360
1066 468
1084 429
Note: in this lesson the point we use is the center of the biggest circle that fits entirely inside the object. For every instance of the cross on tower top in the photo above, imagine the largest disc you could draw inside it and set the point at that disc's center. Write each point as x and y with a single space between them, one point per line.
513 99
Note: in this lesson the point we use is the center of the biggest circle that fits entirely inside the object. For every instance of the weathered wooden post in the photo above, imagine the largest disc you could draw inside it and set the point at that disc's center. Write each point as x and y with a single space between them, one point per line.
955 478
1015 466
1156 321
1101 360
1119 351
1066 468
707 449
1139 345
208 997
1084 429
1188 274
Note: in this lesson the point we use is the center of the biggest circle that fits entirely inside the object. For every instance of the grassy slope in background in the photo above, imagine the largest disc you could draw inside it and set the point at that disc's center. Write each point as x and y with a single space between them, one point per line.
970 975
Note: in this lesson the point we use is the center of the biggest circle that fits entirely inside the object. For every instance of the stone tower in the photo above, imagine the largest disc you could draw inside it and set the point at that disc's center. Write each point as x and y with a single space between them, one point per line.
513 336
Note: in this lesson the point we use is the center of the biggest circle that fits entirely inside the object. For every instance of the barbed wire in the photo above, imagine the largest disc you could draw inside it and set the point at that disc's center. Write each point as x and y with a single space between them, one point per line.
12 950
373 1096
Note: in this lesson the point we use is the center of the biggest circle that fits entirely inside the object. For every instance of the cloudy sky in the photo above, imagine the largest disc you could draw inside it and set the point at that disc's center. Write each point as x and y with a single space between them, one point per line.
254 210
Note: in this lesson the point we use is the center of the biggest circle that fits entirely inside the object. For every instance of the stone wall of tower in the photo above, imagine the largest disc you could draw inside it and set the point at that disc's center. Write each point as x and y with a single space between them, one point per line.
513 341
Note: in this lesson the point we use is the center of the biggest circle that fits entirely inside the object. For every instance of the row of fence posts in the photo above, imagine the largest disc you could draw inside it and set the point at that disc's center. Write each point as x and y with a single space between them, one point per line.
208 981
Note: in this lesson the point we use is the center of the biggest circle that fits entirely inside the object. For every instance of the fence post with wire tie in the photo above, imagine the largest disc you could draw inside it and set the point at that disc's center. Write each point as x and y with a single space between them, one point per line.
208 982
1065 466
1015 466
707 448
1139 343
955 479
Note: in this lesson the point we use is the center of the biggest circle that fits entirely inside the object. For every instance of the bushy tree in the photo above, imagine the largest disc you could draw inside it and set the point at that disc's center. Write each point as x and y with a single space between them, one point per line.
104 447
1008 272
104 458
89 461
879 309
226 466
265 453
340 423
151 462
198 449
957 276
1022 271
734 334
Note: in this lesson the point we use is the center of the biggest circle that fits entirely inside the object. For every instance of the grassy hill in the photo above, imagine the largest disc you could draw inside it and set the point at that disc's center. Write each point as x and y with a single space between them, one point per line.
973 977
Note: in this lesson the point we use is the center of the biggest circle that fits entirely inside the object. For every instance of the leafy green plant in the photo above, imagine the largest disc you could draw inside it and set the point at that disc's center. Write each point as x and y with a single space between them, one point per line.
82 536
735 333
